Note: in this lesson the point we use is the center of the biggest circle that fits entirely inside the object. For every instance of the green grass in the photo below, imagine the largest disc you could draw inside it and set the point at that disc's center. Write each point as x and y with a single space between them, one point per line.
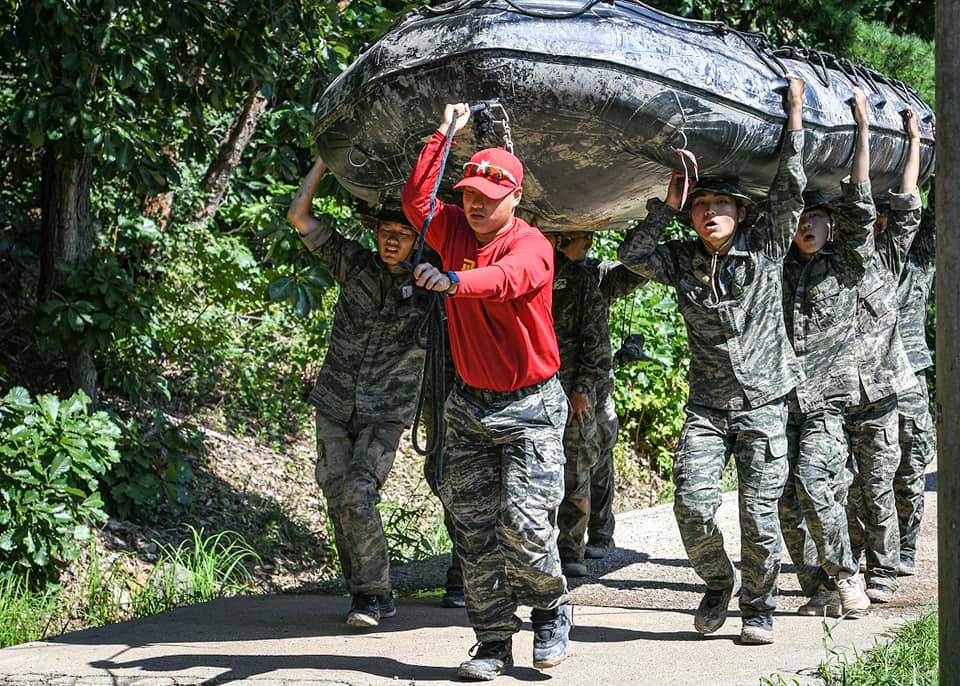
910 659
199 569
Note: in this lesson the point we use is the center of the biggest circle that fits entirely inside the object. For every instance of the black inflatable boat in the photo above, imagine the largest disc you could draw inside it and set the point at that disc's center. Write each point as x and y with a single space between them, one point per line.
597 97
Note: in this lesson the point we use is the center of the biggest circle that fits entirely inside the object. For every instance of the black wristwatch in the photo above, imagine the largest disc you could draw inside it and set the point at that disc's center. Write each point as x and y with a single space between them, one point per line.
454 281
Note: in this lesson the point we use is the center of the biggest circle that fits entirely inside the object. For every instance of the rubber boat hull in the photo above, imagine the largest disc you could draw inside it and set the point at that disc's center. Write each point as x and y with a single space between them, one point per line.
597 104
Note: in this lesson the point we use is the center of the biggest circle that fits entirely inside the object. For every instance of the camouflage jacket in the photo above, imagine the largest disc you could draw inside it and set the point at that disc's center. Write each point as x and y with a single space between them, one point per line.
819 296
616 281
913 292
884 367
580 322
740 356
373 365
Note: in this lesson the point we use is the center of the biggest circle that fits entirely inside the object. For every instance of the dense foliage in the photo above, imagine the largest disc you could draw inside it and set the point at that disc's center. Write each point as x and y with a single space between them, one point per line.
148 151
53 456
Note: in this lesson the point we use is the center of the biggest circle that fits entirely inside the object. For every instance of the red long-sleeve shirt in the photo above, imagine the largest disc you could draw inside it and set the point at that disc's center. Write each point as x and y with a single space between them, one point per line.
501 324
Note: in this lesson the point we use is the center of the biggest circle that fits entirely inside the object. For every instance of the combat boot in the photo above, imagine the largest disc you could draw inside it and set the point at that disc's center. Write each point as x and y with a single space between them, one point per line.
825 601
853 601
757 630
453 597
388 608
551 635
712 612
574 568
908 566
597 550
365 611
879 592
488 660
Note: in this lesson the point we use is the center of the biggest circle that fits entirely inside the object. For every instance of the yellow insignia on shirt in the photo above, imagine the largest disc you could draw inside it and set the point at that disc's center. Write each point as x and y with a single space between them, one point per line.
468 264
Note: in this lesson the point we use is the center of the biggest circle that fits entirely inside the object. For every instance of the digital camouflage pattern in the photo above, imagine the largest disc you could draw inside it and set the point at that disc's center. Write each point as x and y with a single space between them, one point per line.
756 439
616 281
818 296
365 395
814 523
373 364
873 433
503 481
918 449
353 461
580 322
740 356
741 368
917 434
601 524
884 367
913 291
872 423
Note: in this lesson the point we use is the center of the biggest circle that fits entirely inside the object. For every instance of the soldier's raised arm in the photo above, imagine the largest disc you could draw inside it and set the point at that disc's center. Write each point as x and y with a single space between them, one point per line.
317 233
642 251
785 201
904 219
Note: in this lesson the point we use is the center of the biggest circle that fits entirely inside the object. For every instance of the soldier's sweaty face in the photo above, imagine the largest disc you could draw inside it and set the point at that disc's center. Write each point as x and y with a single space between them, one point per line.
715 218
395 243
813 232
487 215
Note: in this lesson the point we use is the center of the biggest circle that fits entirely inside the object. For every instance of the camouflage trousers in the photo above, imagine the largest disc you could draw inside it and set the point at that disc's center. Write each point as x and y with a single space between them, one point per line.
502 483
873 432
602 521
918 448
756 439
454 580
581 448
353 461
813 521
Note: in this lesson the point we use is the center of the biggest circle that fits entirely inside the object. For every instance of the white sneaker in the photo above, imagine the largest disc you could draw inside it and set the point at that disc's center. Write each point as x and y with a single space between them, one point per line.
853 600
823 602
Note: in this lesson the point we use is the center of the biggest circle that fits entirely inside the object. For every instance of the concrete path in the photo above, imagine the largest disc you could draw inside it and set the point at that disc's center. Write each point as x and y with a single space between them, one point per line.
633 616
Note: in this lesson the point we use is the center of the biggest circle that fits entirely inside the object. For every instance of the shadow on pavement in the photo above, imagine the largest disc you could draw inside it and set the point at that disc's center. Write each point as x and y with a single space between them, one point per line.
242 667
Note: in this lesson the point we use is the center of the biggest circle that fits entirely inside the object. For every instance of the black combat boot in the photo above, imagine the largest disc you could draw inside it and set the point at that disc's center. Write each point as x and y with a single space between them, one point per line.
488 660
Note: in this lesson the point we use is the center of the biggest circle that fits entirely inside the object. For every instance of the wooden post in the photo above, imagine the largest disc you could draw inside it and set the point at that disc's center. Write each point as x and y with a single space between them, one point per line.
948 335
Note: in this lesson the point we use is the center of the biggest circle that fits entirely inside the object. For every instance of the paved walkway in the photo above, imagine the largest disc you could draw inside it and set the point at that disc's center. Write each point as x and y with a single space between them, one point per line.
633 616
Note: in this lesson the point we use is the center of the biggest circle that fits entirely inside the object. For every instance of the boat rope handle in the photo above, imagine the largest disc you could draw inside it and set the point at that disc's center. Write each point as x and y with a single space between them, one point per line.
688 161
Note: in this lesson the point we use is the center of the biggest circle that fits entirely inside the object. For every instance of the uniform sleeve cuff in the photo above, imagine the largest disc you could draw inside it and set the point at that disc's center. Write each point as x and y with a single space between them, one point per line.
858 190
905 202
795 140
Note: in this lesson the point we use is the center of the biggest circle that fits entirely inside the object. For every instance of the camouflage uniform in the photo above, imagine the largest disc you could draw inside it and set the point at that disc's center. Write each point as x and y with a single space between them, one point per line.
502 483
365 395
818 296
741 369
616 281
917 438
872 421
580 322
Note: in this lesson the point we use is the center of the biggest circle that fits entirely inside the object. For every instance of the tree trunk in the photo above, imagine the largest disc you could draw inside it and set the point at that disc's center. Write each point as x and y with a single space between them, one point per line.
948 331
67 232
217 178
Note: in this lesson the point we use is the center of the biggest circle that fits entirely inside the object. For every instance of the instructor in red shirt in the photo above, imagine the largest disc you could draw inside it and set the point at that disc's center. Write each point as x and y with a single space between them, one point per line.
503 477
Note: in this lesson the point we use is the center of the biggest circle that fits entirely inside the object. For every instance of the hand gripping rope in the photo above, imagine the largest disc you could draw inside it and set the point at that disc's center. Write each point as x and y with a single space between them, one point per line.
431 332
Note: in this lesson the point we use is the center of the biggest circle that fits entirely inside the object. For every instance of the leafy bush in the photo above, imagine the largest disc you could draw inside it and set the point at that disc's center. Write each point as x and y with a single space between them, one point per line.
902 56
154 467
54 454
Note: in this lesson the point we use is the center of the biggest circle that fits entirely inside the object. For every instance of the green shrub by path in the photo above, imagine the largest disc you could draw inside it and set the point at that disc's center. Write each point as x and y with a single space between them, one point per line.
909 659
154 467
53 455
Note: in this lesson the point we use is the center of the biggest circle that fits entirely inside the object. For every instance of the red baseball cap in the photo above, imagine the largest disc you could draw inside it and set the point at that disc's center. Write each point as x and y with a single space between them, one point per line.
484 168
